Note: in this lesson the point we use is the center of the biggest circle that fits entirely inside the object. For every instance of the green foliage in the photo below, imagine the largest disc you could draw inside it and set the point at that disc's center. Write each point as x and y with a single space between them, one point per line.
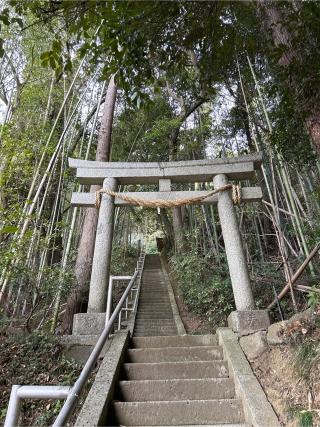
313 300
124 259
289 137
206 287
305 418
144 135
210 31
307 359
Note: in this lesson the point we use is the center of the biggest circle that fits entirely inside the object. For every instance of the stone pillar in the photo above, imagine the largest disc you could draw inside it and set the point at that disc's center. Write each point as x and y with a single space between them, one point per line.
246 320
233 245
102 251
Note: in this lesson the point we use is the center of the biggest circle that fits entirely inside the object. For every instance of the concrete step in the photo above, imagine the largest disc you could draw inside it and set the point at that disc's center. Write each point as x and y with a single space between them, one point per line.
158 291
151 313
175 341
154 309
156 321
179 412
151 286
144 311
174 354
155 327
155 296
154 302
156 283
154 299
151 334
156 313
157 305
175 370
195 389
153 331
155 316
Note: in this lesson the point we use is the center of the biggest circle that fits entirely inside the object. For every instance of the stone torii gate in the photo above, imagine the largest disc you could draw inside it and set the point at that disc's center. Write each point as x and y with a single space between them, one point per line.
246 319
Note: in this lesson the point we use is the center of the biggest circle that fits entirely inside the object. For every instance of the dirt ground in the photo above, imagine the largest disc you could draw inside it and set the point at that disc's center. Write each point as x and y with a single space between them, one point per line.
285 389
194 324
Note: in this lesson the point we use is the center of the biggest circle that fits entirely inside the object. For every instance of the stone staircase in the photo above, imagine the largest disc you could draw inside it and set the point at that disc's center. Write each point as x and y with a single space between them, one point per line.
154 315
169 379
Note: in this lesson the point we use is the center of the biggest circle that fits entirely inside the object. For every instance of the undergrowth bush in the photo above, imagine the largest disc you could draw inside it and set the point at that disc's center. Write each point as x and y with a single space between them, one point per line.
34 358
205 286
124 259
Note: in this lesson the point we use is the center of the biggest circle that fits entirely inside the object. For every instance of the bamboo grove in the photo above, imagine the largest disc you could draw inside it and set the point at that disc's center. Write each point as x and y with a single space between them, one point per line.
49 115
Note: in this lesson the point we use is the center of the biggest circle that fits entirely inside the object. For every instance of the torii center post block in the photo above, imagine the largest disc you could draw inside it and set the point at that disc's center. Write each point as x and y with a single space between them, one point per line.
218 171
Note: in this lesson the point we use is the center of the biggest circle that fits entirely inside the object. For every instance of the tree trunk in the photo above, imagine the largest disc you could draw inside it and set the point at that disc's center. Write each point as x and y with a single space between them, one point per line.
87 240
275 23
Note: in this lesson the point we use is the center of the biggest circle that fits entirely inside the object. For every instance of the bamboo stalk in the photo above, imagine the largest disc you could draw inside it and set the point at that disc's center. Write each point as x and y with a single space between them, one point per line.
296 275
283 174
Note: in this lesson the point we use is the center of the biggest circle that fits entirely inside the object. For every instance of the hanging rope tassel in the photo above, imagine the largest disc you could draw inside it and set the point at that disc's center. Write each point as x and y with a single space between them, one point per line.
160 203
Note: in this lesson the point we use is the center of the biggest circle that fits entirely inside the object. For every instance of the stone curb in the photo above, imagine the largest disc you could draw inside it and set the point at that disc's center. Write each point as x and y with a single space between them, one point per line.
258 410
94 409
175 310
79 347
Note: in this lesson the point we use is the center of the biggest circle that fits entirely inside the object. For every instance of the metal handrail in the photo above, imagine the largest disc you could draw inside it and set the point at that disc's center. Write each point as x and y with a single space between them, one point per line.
72 394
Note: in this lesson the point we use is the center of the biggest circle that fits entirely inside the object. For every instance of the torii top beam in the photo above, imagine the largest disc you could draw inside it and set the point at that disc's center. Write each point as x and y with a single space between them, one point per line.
93 172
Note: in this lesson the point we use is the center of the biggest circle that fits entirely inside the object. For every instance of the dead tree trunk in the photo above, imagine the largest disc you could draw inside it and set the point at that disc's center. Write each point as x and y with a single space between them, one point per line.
87 240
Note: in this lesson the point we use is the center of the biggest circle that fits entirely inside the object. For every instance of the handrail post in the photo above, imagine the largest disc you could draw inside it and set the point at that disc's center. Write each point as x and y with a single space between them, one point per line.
13 411
109 299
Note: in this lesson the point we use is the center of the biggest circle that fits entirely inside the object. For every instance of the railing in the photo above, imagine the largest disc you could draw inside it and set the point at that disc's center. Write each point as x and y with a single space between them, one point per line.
71 394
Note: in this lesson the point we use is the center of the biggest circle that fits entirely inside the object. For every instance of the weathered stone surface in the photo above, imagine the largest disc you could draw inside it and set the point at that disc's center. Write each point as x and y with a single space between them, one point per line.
175 310
258 411
254 345
303 315
174 354
177 389
79 347
234 250
88 323
242 167
102 252
249 194
256 158
203 412
95 407
176 370
174 341
249 321
274 335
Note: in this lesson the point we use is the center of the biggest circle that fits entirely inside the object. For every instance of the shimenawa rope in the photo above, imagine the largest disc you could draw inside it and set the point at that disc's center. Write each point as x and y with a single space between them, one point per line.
161 203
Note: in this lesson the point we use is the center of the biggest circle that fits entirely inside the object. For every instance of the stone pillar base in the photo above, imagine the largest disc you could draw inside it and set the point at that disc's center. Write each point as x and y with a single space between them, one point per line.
88 323
248 322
